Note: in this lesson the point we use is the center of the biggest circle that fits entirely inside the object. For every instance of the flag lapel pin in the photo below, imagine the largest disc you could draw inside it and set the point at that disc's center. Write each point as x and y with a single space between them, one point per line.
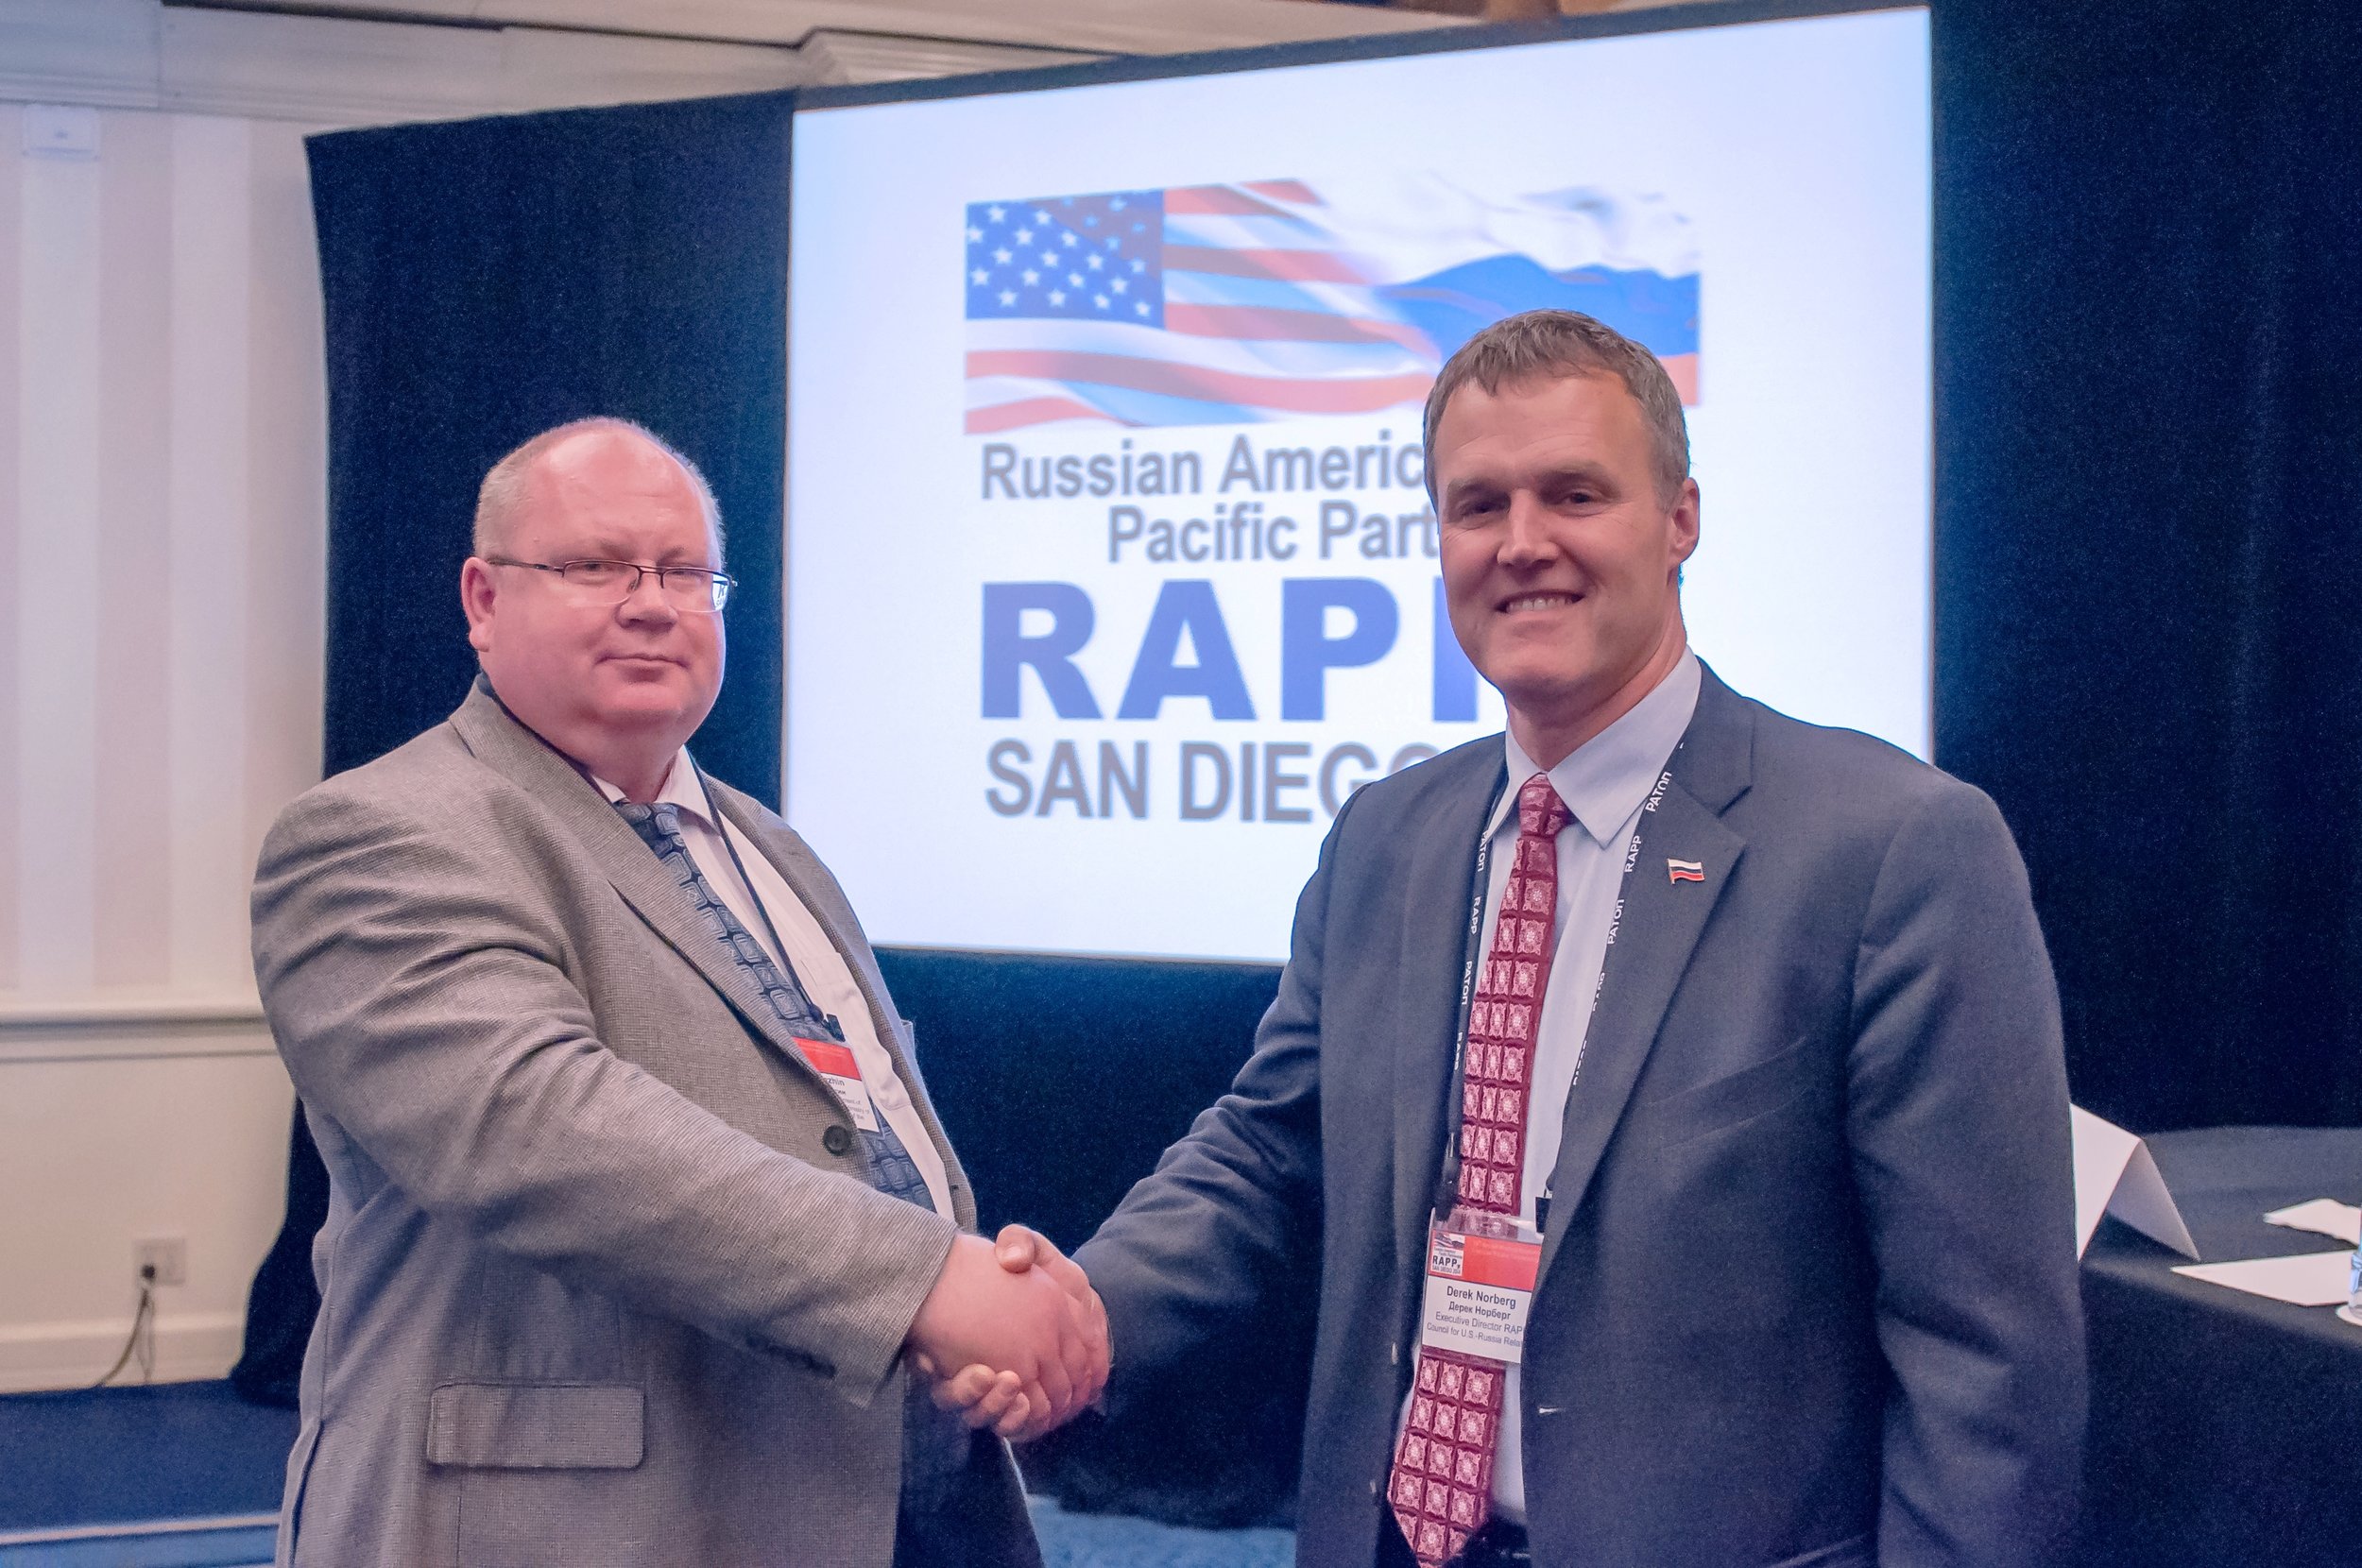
1684 871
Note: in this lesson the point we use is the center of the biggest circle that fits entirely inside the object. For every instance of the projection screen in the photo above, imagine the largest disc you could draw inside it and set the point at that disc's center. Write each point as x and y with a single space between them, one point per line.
1111 570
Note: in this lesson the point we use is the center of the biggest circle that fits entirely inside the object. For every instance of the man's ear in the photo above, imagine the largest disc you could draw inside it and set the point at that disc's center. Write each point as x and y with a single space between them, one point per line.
477 589
1685 516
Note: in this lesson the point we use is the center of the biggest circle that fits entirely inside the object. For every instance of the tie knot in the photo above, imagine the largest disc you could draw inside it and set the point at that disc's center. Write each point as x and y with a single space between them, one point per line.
659 824
1540 813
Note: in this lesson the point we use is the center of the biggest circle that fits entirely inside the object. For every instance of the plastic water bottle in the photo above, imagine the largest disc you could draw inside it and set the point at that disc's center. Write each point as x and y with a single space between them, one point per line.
2351 1311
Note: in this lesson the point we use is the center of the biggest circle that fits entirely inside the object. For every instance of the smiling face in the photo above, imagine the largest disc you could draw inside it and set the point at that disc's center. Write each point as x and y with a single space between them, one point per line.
618 688
1561 557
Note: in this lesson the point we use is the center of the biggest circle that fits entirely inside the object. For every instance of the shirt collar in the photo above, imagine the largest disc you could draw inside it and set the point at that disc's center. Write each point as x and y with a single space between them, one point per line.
1604 780
681 790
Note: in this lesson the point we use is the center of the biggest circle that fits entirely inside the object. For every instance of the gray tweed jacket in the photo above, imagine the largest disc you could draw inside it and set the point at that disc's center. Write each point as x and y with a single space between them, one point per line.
598 1285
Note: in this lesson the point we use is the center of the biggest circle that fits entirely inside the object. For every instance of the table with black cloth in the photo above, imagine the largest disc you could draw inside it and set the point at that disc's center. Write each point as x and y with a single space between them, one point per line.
2226 1429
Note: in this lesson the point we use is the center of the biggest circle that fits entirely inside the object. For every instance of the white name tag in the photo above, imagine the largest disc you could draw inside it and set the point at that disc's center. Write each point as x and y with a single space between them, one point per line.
1479 1291
835 1065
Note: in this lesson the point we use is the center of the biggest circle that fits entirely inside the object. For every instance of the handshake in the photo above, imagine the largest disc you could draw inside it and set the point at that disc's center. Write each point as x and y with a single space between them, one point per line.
1012 1334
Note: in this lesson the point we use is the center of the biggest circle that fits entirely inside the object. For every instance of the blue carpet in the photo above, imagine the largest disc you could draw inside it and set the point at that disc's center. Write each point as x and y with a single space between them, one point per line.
172 1451
223 1544
1114 1541
185 1468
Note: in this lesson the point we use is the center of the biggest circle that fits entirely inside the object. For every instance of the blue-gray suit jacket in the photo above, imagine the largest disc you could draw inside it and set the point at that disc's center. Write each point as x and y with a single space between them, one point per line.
1809 1284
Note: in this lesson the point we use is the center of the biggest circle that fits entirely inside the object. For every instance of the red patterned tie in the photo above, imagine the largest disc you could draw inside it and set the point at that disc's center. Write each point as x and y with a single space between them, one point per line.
1442 1482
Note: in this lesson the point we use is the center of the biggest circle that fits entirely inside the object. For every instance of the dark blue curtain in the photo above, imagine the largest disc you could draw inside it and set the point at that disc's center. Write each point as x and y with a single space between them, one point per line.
2148 547
490 278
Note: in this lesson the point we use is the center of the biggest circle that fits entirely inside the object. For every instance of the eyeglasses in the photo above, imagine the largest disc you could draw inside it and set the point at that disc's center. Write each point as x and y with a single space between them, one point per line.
684 587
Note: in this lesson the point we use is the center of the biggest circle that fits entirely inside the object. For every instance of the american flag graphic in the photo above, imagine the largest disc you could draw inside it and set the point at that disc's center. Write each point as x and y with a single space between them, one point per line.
1280 299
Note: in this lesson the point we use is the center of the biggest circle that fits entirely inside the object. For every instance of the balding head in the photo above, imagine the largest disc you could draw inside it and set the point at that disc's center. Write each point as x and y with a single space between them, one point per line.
616 672
510 487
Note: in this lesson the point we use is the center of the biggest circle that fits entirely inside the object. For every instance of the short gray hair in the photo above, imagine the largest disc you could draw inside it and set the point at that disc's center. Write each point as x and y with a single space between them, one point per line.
1550 345
504 490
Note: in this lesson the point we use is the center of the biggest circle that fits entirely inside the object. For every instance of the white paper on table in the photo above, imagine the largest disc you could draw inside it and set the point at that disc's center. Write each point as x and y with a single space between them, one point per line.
2323 1216
2115 1173
2309 1279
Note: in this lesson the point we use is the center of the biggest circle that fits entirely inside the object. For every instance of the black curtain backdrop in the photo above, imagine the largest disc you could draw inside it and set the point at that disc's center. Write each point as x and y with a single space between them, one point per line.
490 278
2147 477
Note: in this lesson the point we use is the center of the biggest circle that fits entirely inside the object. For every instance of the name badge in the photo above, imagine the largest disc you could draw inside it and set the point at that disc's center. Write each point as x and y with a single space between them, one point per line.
834 1062
1479 1291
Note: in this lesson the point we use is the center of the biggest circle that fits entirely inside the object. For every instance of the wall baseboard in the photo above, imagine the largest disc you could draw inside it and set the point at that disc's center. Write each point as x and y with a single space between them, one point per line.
191 1347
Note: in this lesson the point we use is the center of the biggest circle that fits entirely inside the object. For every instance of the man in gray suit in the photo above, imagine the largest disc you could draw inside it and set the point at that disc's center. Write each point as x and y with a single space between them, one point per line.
1721 1050
640 1213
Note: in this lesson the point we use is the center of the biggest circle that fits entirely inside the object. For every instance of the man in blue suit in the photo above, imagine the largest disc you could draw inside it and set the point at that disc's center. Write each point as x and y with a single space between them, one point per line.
1723 1048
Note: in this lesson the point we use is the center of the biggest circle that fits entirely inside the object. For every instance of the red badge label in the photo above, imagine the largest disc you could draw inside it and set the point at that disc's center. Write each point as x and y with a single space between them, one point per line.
834 1061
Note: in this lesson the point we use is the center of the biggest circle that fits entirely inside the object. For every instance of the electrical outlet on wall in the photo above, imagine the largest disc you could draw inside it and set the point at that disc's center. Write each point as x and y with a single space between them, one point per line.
163 1260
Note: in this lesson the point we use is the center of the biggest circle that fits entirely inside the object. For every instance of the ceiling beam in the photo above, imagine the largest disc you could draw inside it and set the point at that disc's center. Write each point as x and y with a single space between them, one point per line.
1085 27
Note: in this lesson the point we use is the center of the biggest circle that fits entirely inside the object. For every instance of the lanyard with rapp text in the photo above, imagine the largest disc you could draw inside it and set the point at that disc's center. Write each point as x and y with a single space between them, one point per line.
1448 1180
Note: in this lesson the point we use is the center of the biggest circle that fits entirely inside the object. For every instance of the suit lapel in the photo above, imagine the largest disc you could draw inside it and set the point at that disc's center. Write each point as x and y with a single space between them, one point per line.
1435 922
1652 935
631 868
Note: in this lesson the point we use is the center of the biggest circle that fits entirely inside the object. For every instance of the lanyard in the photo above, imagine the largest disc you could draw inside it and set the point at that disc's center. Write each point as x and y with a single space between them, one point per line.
787 970
1448 1180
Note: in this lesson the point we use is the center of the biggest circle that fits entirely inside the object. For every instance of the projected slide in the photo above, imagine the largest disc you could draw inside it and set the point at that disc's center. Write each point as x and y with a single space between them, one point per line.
1111 569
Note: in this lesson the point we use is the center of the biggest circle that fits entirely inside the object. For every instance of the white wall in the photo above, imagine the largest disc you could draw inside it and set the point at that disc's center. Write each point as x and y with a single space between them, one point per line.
160 481
161 521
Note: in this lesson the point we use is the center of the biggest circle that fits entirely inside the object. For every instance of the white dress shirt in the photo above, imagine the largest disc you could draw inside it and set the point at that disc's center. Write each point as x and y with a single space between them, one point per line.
1604 782
827 978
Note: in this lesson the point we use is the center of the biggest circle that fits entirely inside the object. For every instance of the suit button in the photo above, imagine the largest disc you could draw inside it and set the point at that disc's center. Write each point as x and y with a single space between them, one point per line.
836 1140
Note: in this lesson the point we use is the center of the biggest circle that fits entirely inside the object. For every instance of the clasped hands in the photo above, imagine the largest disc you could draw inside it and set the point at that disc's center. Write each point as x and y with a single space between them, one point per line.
1013 1334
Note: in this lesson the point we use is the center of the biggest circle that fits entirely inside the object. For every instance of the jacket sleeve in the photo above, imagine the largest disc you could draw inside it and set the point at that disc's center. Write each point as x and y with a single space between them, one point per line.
420 995
1957 1114
1231 1211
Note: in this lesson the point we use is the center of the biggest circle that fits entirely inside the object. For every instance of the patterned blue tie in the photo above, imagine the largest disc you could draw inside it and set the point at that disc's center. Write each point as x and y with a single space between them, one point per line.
891 1168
